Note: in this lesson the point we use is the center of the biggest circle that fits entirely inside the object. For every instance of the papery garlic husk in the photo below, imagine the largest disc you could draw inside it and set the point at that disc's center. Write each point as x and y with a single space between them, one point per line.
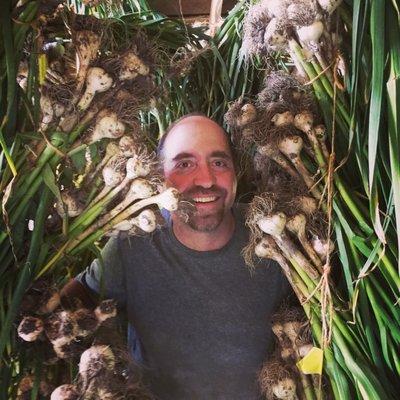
304 349
30 328
132 66
65 392
97 81
105 310
108 126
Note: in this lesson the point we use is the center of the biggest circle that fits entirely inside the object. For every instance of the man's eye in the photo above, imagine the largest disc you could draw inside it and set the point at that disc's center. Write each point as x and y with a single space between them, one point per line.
220 163
184 165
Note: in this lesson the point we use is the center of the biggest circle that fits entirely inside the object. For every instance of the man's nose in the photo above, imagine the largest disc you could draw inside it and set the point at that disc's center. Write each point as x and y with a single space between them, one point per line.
204 177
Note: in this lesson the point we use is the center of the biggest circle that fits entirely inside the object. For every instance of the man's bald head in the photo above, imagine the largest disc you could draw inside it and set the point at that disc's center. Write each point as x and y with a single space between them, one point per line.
184 119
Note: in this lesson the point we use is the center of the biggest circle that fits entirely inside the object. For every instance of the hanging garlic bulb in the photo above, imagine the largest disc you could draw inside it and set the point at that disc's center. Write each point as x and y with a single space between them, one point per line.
60 328
248 114
108 126
30 328
270 151
47 112
69 205
94 360
132 66
322 247
97 81
86 322
297 225
87 45
308 205
291 147
127 146
329 5
284 118
138 166
105 310
275 35
114 172
274 225
65 392
310 35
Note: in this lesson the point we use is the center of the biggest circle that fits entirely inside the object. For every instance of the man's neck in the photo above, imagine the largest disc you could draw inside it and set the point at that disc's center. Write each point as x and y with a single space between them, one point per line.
204 241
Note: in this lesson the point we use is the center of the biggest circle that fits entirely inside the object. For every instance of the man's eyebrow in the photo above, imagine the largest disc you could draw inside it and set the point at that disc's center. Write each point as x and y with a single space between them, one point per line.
221 154
183 155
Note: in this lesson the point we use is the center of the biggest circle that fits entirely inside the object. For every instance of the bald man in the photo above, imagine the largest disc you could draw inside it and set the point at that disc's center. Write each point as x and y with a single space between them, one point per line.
202 319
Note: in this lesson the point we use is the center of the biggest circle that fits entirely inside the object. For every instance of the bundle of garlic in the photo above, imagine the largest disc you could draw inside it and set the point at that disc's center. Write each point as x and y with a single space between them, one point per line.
68 331
297 27
288 217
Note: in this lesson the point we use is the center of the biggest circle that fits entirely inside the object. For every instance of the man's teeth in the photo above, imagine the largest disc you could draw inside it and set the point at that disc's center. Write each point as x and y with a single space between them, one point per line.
204 199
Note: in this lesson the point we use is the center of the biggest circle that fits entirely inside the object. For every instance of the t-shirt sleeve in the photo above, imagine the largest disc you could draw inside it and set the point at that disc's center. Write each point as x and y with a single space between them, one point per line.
106 274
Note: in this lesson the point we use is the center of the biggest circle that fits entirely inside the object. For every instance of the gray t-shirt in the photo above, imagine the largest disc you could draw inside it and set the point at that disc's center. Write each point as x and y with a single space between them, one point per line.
203 319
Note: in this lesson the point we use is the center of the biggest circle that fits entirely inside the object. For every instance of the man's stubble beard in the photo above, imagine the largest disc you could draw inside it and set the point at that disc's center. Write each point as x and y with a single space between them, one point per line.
205 223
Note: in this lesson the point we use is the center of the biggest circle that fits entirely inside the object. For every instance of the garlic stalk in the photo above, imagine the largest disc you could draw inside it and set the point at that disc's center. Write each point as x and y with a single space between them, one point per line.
97 81
304 121
274 225
320 133
112 149
297 226
267 248
291 147
168 199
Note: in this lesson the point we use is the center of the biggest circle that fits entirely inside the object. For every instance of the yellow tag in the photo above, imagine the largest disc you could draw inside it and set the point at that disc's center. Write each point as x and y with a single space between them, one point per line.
312 362
42 61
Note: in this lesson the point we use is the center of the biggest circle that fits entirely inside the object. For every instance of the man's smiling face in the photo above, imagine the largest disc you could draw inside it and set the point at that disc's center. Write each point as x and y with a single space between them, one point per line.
197 161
